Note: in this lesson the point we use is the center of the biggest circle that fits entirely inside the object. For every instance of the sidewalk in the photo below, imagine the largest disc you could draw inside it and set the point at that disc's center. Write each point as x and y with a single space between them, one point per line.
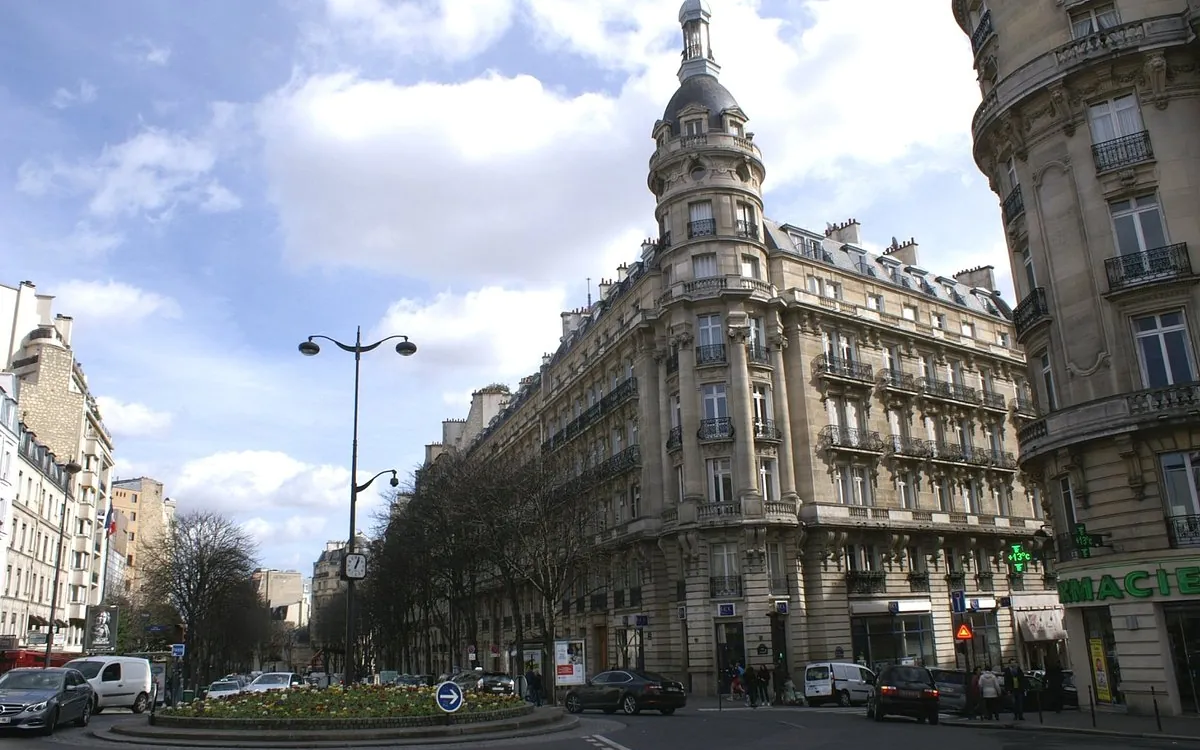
1111 723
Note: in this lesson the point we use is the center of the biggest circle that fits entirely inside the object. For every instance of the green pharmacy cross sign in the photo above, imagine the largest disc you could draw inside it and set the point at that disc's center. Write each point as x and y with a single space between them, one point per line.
1084 541
1019 558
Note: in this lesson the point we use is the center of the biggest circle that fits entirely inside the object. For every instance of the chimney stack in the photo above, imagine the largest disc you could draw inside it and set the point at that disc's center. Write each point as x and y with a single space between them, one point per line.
845 233
979 277
905 252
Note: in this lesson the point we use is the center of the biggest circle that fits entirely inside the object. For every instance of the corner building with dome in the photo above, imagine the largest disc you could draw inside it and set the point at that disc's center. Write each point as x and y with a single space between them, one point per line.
798 449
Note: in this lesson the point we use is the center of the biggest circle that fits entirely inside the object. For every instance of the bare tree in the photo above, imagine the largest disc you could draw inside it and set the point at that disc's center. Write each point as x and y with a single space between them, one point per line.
203 570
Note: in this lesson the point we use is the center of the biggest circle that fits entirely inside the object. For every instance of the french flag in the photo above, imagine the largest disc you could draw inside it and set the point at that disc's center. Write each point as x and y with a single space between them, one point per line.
110 522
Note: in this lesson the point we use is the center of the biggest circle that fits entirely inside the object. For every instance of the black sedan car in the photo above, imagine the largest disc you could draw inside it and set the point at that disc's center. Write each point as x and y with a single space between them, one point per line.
495 683
904 691
41 699
629 691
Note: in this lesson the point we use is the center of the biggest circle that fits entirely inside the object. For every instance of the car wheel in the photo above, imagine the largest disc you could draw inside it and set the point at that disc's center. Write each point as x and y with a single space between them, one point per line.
51 724
870 710
879 714
97 709
574 705
85 715
920 719
140 703
629 706
844 699
933 719
666 711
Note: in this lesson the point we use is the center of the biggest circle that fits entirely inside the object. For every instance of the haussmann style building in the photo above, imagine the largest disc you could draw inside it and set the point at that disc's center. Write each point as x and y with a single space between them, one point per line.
1088 132
800 448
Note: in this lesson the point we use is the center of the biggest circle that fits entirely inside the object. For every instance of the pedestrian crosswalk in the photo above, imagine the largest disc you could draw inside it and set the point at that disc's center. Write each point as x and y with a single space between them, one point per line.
843 710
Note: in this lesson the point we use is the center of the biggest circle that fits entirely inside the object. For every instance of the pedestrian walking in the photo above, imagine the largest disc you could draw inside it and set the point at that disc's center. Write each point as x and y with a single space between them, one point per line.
764 685
974 705
989 691
1054 685
1014 684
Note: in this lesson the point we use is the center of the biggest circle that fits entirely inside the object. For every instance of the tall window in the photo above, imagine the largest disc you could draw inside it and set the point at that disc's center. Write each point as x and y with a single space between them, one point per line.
716 405
973 497
906 490
709 330
1088 21
1138 225
844 412
763 410
1010 172
1027 264
679 481
750 267
700 220
758 332
1162 347
694 127
617 440
942 495
839 345
1181 483
1002 494
768 483
854 486
635 501
1115 118
676 411
723 560
747 220
720 480
1066 493
704 266
1048 390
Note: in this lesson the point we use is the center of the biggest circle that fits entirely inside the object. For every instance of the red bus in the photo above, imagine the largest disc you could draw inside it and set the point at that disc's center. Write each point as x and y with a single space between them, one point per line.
29 657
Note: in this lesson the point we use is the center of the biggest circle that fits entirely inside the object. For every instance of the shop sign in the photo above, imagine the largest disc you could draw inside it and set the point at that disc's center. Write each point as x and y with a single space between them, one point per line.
1019 558
1136 584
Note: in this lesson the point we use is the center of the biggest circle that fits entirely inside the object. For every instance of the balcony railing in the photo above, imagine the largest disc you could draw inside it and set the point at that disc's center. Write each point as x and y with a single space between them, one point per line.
675 439
710 354
720 587
715 429
746 229
986 581
765 429
673 362
866 582
1014 205
944 450
905 445
778 586
948 390
899 379
843 368
1160 264
1123 151
780 508
1173 398
993 400
918 582
702 228
1184 531
836 436
720 510
1032 310
983 30
956 580
758 353
1026 407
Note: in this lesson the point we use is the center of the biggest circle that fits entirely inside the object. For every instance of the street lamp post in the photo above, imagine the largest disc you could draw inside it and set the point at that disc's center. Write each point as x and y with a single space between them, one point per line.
72 469
309 348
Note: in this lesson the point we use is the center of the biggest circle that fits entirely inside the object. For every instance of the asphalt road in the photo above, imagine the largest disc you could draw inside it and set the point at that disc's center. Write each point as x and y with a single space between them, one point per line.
699 729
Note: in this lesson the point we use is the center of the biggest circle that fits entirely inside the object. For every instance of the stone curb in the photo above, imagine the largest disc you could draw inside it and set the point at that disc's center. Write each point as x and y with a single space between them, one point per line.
1026 727
329 724
545 722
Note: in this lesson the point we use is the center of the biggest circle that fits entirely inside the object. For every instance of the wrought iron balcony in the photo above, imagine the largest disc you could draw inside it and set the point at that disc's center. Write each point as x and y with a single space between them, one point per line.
702 228
998 458
675 439
907 446
673 362
765 429
619 395
843 368
956 580
1123 151
747 229
628 459
899 379
945 450
866 582
715 429
1026 407
918 582
986 581
1032 310
758 353
1184 531
1168 263
778 586
983 32
1014 205
993 400
710 354
1163 401
853 438
953 391
720 587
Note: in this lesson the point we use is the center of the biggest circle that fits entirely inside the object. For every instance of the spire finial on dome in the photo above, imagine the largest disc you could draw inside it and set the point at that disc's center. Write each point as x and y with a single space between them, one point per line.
698 58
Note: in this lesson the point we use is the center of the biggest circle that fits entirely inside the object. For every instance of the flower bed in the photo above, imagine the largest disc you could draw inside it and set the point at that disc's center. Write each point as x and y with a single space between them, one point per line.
360 706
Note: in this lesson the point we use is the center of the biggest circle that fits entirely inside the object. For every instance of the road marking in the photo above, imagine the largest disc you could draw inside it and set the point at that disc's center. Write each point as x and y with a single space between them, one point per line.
601 741
793 726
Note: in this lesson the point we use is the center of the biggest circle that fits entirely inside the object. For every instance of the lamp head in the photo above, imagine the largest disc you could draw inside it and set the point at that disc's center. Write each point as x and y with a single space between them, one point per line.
395 480
406 348
72 468
309 348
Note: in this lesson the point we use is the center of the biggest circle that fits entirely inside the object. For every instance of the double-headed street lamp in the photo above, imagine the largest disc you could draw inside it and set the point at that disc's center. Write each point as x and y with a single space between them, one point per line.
71 470
354 565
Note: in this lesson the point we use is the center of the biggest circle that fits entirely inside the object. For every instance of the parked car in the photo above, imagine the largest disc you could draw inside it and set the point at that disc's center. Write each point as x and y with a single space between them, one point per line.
496 683
629 691
223 689
42 699
271 681
952 685
904 691
118 681
844 683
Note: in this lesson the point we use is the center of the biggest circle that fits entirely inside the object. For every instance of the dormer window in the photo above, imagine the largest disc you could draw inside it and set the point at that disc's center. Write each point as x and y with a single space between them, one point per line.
736 128
693 127
1093 20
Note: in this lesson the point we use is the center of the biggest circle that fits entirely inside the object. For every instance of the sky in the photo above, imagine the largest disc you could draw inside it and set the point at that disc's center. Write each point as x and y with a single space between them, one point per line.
204 185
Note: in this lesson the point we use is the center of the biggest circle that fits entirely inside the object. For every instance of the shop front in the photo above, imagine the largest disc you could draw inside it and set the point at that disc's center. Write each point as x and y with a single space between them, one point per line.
1040 634
895 632
1137 619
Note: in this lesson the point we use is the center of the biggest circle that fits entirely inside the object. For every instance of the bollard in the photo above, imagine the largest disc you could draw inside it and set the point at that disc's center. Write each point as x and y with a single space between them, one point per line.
1157 716
1092 703
1041 694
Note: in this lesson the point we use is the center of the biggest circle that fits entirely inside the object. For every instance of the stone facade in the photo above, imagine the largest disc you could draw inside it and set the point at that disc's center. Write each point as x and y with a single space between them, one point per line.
148 515
799 448
1087 132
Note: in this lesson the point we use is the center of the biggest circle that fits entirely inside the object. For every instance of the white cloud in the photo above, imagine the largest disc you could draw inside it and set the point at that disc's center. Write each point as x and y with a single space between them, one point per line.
132 420
88 241
150 174
63 98
447 29
144 52
110 301
291 529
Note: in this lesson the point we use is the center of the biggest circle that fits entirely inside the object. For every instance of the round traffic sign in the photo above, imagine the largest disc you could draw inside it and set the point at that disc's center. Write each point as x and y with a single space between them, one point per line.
448 696
470 649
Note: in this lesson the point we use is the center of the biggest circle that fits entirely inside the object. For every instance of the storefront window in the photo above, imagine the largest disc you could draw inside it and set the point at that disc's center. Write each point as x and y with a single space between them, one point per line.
1102 655
1183 633
983 650
881 640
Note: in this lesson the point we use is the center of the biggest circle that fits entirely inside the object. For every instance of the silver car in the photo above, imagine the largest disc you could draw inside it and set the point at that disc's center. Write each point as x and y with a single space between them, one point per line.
274 681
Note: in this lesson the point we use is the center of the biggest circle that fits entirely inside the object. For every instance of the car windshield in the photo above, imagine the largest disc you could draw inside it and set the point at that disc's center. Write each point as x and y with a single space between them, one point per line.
817 673
89 668
273 679
907 674
32 680
221 686
949 677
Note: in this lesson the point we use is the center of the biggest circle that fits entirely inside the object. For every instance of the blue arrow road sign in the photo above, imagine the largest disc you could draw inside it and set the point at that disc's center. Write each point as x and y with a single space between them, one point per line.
449 697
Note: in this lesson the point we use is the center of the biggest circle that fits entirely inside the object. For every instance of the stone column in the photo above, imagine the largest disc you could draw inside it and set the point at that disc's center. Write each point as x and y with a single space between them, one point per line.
742 417
665 465
693 466
783 420
797 411
650 438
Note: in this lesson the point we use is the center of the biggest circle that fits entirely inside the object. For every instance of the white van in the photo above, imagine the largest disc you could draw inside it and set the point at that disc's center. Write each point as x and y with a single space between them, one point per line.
119 681
844 683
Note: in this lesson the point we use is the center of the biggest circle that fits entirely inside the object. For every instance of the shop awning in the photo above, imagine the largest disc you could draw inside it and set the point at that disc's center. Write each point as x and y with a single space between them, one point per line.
1042 625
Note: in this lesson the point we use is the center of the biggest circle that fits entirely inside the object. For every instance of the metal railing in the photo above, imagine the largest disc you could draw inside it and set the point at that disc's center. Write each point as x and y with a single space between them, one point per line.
675 438
983 31
778 585
702 228
866 582
844 368
1123 151
836 436
710 354
994 400
746 229
1032 310
1014 205
765 429
722 586
895 378
715 429
1160 264
1184 531
758 353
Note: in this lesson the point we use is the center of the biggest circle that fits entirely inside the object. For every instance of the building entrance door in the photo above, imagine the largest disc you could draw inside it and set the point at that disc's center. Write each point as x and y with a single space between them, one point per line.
731 649
600 648
779 650
1183 633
